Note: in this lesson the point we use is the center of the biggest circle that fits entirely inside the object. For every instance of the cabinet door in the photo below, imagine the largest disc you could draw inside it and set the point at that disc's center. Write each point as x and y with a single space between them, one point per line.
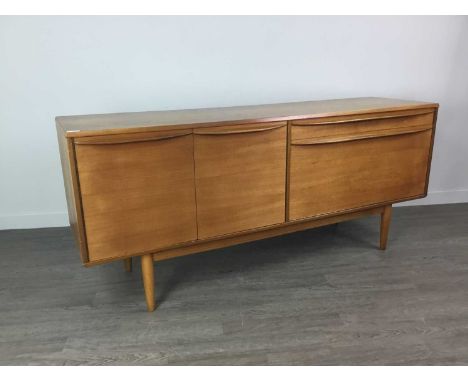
240 174
138 192
340 167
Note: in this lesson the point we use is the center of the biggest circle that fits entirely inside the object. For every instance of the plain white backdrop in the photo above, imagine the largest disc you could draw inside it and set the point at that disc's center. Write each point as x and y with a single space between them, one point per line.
53 66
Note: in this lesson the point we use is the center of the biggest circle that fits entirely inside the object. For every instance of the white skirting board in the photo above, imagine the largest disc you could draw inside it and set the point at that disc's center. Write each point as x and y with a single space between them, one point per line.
60 219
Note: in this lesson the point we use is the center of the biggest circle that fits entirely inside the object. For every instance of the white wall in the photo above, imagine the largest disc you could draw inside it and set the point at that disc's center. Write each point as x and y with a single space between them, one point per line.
77 65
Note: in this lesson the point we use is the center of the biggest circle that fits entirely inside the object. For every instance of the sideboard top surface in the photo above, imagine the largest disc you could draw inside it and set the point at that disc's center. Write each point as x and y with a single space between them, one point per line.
116 123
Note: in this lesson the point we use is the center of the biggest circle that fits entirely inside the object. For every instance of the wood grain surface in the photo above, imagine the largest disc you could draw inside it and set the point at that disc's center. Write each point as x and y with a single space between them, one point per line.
118 123
142 183
240 175
338 176
137 196
361 124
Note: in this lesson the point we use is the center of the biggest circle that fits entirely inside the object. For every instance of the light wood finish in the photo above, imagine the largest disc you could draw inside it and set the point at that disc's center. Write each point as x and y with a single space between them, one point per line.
340 176
354 136
434 123
101 124
172 183
130 138
239 129
288 171
137 196
72 192
361 125
240 174
128 264
385 218
375 120
147 270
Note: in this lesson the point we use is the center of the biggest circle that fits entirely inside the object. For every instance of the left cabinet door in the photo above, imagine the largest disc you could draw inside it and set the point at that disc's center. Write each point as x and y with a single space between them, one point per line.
138 192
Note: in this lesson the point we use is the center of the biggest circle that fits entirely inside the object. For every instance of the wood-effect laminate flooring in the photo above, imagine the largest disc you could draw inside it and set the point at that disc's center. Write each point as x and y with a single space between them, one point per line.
326 296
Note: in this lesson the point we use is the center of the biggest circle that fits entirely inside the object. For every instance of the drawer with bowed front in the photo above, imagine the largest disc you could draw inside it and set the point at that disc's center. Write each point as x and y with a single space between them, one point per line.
361 126
341 164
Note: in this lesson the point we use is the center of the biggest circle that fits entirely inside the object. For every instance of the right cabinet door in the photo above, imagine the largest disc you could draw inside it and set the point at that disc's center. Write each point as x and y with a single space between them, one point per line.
338 165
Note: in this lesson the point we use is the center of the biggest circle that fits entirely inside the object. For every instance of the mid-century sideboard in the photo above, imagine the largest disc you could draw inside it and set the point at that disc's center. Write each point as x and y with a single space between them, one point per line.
170 183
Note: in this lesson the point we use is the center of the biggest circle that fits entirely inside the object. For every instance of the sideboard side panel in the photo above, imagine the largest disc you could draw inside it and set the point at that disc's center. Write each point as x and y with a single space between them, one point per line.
429 159
72 191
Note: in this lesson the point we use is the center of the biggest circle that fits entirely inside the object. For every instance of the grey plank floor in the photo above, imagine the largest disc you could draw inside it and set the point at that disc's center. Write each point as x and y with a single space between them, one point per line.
326 296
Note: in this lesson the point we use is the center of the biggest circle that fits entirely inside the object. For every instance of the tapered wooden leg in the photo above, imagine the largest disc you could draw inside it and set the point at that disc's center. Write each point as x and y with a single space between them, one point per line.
147 270
128 264
385 218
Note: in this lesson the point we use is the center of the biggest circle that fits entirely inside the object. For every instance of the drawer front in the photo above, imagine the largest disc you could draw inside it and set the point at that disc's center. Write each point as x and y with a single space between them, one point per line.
360 125
332 176
240 176
138 192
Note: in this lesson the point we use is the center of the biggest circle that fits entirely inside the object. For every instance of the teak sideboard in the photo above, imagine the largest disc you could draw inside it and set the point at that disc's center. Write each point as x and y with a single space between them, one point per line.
171 183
